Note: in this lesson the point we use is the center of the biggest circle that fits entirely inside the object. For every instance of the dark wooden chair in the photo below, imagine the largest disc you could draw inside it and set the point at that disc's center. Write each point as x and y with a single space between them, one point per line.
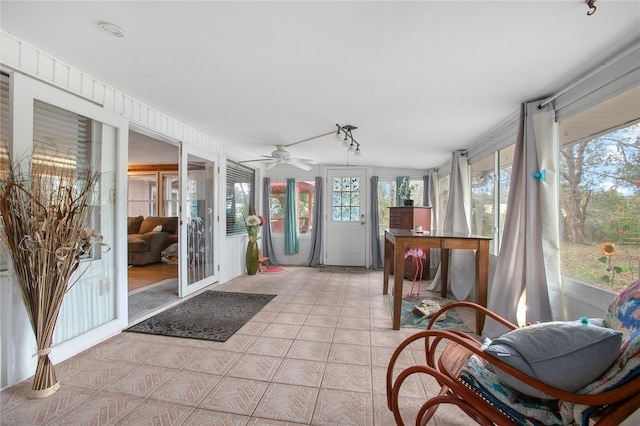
609 407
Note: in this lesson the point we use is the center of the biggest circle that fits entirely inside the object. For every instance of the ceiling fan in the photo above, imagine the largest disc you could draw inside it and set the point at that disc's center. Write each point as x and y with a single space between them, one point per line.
282 156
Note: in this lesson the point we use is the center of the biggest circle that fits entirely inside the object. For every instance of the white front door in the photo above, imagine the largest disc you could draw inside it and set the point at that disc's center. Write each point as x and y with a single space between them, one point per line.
346 218
198 258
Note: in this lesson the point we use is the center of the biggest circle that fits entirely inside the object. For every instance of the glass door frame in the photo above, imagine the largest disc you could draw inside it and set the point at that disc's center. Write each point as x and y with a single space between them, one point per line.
26 90
184 288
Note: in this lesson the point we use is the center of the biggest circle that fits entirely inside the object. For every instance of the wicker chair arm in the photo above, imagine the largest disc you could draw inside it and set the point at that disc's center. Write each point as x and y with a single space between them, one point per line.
473 306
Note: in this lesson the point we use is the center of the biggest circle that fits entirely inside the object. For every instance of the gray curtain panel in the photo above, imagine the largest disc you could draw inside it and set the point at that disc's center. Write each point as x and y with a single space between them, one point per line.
527 255
376 256
425 190
462 265
315 258
291 243
267 242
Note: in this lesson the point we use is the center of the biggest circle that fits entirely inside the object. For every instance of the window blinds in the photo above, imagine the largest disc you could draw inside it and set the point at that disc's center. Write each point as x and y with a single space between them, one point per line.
240 196
61 138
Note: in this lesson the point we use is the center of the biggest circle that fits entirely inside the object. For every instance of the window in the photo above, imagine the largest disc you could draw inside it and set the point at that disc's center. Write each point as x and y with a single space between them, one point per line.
600 193
240 196
483 199
142 190
305 206
489 195
387 190
386 199
443 198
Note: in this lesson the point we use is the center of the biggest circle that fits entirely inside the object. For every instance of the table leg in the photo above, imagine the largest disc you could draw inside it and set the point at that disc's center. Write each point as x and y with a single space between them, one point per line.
444 272
482 280
398 280
388 262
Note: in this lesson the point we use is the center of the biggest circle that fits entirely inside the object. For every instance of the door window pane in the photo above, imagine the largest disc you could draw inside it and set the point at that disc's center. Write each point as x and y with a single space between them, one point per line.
346 199
200 219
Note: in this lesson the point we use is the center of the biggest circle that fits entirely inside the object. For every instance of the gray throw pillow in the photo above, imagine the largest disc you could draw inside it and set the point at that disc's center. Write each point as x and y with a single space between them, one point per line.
565 355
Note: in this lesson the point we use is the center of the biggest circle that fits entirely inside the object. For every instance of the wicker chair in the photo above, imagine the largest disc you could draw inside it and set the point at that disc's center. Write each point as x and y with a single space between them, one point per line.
606 407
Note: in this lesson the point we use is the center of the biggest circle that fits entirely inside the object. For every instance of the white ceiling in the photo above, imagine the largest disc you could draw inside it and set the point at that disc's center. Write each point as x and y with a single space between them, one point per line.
419 79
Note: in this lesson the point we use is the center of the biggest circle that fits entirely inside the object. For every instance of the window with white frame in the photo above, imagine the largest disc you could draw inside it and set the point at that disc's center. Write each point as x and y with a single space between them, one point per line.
490 177
600 193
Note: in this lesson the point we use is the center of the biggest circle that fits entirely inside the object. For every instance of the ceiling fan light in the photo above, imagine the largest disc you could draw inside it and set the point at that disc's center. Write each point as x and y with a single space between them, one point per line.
352 147
358 152
338 137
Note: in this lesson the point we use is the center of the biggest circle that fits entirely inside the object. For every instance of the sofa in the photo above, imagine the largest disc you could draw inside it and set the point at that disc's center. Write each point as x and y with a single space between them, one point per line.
148 236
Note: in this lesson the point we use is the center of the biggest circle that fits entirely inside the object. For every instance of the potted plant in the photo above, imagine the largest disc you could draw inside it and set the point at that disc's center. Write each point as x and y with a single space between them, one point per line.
405 191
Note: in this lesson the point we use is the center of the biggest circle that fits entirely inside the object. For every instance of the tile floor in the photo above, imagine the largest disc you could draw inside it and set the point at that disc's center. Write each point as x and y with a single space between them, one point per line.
315 355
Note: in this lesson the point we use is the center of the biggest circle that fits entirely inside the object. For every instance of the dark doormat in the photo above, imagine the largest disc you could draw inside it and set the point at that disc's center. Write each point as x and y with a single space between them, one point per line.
212 315
342 269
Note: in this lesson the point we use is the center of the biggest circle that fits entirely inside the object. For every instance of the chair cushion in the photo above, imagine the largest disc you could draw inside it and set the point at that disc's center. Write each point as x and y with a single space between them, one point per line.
565 355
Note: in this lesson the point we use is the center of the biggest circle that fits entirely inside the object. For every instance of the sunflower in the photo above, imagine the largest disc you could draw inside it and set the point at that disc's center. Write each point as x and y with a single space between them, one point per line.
608 249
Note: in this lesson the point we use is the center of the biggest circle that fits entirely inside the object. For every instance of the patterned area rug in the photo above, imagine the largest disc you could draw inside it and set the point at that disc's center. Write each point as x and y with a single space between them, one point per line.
212 315
412 318
342 269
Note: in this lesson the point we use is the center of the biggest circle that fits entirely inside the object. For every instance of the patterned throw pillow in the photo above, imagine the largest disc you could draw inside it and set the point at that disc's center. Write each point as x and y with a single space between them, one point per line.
624 312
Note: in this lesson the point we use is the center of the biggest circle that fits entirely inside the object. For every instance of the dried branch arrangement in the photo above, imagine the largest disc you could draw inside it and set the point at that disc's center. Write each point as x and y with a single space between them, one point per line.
46 216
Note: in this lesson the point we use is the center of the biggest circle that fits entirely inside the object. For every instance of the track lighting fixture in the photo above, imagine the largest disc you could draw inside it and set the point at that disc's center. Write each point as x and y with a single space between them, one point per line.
348 142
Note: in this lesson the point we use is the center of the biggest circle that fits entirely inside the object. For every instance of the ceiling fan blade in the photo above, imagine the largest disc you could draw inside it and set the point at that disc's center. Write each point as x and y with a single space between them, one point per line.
300 165
257 159
303 160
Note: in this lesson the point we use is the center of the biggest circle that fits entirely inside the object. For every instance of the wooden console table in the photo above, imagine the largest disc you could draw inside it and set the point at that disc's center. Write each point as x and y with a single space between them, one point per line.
398 240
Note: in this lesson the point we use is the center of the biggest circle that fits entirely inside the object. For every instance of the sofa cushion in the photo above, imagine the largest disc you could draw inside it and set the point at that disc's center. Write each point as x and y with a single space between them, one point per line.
133 224
560 354
137 245
169 224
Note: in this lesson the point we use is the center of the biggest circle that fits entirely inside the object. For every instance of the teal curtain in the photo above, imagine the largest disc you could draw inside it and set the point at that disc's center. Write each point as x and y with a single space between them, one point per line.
290 228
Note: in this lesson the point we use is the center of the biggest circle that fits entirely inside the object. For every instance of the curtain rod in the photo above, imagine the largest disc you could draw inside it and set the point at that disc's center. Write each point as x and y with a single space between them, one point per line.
590 74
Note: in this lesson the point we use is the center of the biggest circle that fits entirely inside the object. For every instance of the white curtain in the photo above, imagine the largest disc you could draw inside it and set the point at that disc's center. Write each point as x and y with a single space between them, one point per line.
432 197
529 255
462 269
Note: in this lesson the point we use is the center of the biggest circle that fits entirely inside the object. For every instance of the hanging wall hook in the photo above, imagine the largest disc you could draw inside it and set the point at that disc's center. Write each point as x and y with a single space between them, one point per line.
592 6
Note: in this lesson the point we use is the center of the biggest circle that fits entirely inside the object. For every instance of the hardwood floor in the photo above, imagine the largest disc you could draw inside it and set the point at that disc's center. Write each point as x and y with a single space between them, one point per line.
141 276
